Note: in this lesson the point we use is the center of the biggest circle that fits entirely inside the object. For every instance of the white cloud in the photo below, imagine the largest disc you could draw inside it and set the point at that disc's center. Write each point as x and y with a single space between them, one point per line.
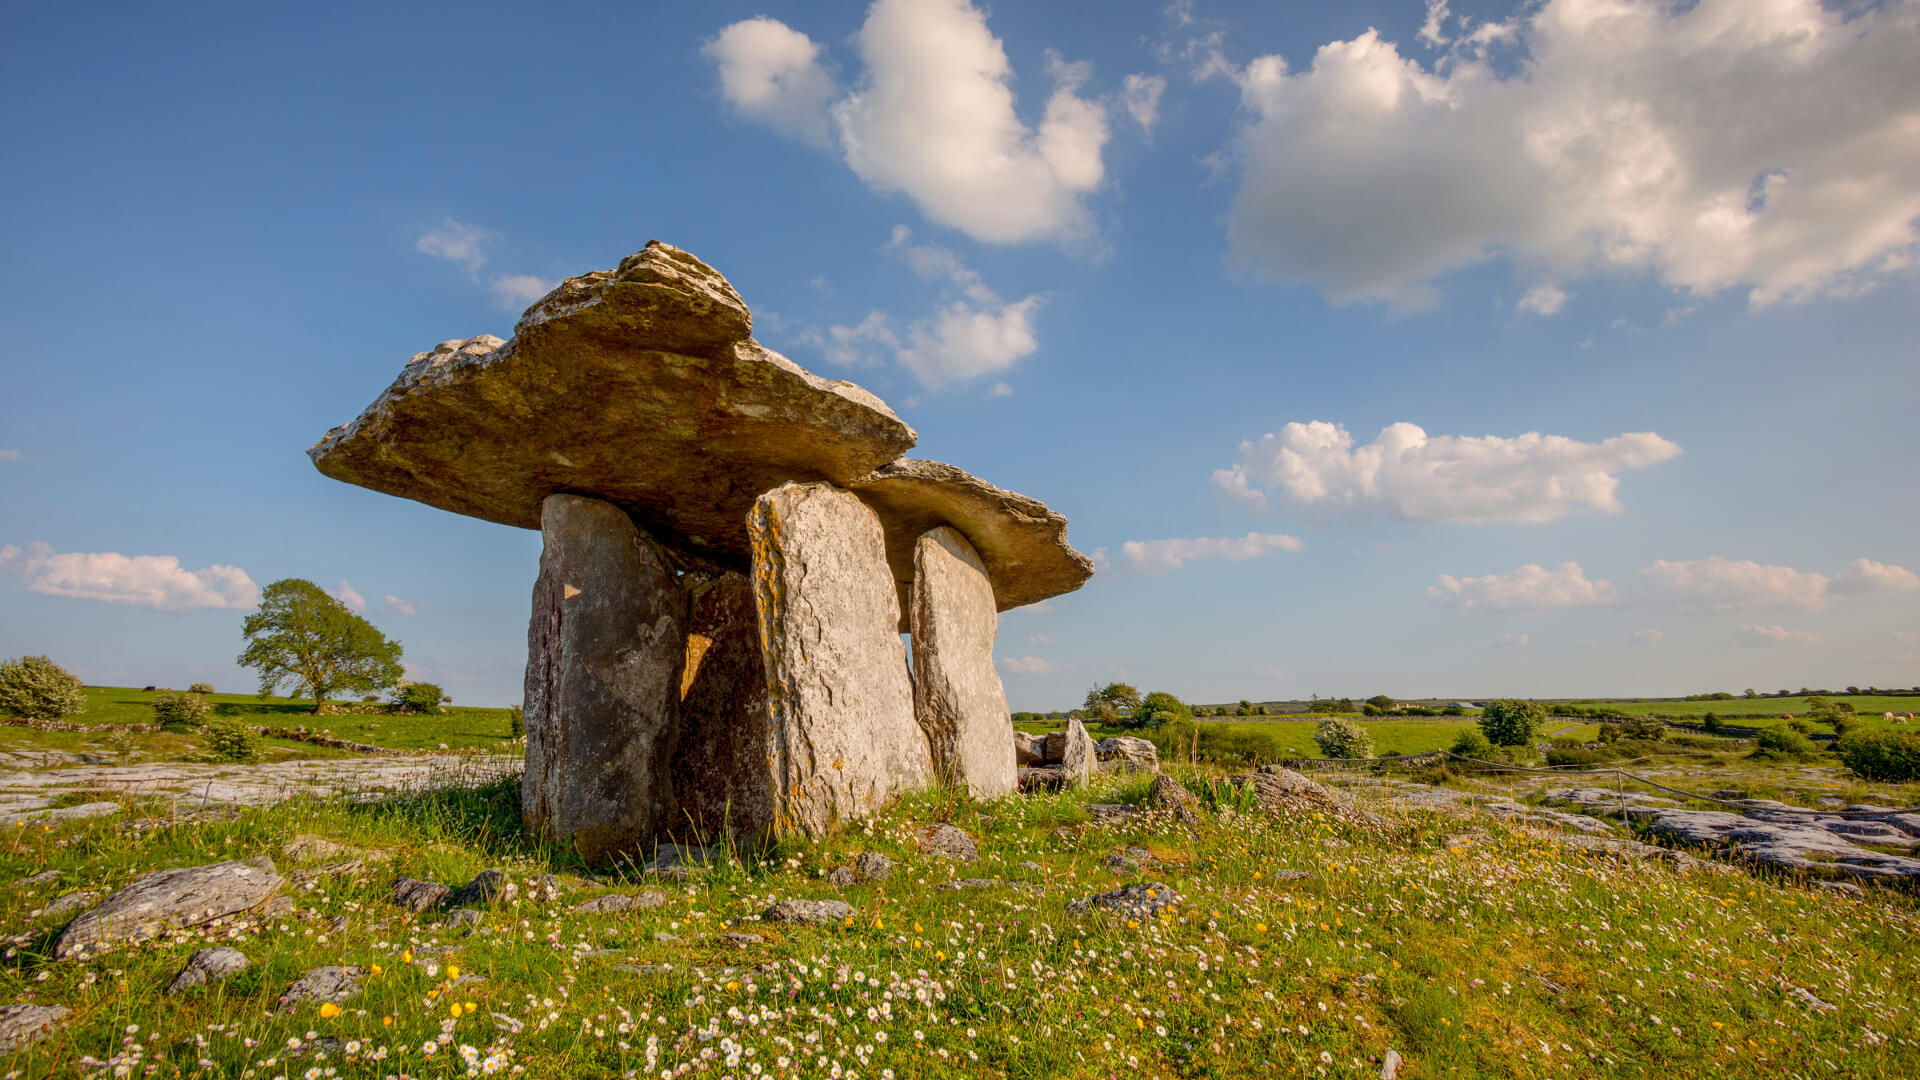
10 455
1000 389
1530 588
351 597
514 292
1039 639
399 606
1723 144
1776 635
1530 478
1511 641
1026 665
931 262
772 73
933 117
1867 576
1162 556
1141 95
1543 299
155 581
457 242
1719 584
1649 637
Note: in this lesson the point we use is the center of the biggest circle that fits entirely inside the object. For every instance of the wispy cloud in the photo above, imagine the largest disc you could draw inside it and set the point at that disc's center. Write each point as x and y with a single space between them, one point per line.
1163 556
1530 588
399 606
465 245
1026 665
1775 635
351 597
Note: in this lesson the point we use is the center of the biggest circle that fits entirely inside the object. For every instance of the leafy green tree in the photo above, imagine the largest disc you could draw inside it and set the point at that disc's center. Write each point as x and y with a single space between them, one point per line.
36 688
1882 755
1157 709
1341 738
1112 702
1512 723
418 697
229 739
1471 743
304 638
174 709
516 722
1381 702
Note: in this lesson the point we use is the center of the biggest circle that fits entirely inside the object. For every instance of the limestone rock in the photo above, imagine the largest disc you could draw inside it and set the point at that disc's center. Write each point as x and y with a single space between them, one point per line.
1142 900
605 650
813 912
1130 753
1079 756
620 903
418 896
1029 749
334 984
723 771
1282 791
167 900
465 916
487 887
1800 843
24 1024
1022 543
956 690
1043 778
675 861
639 386
949 843
208 965
62 906
1172 796
843 738
309 848
873 866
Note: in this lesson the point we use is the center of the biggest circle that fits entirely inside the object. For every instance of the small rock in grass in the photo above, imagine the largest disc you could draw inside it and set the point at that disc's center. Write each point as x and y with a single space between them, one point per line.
309 848
873 866
42 878
743 939
1293 875
1033 866
487 887
277 907
616 903
62 906
1141 901
644 969
675 861
1844 888
1120 864
968 883
843 875
24 1024
1390 1066
813 912
465 916
208 965
337 924
1806 997
323 984
1108 813
949 843
1172 796
663 937
543 889
417 896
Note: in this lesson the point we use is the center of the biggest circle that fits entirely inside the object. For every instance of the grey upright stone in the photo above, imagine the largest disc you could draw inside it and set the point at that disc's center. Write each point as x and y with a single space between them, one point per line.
956 691
605 650
843 736
1080 757
723 769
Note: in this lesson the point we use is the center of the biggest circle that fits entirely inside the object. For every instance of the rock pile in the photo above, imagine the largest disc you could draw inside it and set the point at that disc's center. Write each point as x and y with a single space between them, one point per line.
732 546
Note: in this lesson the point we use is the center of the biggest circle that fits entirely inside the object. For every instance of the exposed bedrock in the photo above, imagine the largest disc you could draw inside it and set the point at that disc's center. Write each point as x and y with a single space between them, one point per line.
723 770
844 739
605 650
957 694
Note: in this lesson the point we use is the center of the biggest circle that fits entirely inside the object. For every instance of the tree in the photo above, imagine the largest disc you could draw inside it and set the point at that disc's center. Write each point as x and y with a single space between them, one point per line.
1340 738
1750 692
173 709
1381 702
36 688
1112 702
418 697
1512 723
304 638
1158 709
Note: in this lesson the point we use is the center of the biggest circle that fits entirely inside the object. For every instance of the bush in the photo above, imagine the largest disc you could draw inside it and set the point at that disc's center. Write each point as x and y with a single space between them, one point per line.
36 688
1578 756
1782 743
200 688
1882 755
1472 743
516 722
1642 727
1512 723
419 697
1339 738
230 740
174 709
1712 722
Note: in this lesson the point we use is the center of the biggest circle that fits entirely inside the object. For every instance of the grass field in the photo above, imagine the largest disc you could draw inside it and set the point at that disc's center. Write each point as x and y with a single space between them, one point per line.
1866 705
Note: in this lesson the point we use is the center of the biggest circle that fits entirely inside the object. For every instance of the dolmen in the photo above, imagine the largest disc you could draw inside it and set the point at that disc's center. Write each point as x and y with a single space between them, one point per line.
732 549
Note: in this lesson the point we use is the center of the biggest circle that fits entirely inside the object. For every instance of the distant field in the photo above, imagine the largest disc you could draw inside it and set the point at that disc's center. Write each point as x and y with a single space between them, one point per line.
1863 704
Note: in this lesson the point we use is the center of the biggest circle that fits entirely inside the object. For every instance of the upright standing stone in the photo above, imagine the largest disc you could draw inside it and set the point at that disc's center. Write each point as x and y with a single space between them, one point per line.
724 767
843 736
957 694
605 650
1080 757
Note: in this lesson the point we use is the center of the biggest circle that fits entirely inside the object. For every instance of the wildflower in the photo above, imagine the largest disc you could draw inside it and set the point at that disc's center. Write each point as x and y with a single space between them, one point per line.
329 1010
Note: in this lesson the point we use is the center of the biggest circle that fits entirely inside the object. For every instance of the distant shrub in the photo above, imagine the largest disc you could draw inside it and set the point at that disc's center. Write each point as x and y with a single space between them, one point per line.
1882 755
1453 710
1576 756
36 688
418 697
230 740
1800 726
1339 738
200 688
174 709
1712 722
516 722
1512 723
1472 743
1782 743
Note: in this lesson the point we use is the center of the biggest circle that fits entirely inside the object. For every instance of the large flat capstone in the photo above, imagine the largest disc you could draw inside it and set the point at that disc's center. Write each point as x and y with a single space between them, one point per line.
640 386
956 690
844 740
605 650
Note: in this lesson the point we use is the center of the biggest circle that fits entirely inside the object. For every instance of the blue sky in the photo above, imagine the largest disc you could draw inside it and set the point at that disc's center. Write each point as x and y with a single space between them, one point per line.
1641 275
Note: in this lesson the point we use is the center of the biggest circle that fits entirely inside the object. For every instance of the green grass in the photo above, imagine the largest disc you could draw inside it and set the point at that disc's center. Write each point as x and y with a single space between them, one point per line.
1506 957
1866 705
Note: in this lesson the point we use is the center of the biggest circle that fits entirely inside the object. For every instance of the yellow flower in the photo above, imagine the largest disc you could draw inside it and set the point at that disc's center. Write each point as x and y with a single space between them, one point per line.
407 957
377 969
1139 1023
454 1009
733 985
468 1007
1261 927
329 1010
940 954
386 1021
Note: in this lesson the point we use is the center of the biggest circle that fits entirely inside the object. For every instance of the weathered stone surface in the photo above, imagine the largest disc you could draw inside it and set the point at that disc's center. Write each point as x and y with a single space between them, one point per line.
619 903
1128 752
309 848
1143 900
208 965
1172 796
1079 756
418 896
323 984
638 385
957 694
1029 749
843 740
812 912
675 861
167 900
605 650
1053 747
723 767
24 1024
1022 544
1043 778
62 906
487 887
873 866
1282 791
949 842
1109 813
1792 842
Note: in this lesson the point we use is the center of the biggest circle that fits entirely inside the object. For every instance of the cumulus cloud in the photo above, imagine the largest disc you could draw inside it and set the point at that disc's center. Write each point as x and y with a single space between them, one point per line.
1776 635
1649 637
1718 584
515 292
1162 556
1141 95
932 117
156 581
457 242
772 73
1543 299
1529 478
399 606
351 597
1867 576
1530 588
1026 665
1767 147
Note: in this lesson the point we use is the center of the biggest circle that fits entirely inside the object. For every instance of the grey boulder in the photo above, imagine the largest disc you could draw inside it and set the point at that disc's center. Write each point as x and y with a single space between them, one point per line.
168 900
208 965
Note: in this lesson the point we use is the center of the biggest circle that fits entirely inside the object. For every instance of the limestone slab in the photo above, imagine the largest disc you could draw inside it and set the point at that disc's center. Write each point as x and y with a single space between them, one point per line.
956 690
844 740
167 900
605 649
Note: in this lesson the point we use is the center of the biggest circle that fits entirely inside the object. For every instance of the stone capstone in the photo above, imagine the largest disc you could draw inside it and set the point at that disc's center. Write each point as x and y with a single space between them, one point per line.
842 736
605 650
168 900
723 767
208 965
1029 749
956 690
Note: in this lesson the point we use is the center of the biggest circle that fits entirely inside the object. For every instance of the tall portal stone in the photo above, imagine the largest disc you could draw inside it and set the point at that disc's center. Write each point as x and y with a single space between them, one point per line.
723 771
605 651
843 736
957 694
